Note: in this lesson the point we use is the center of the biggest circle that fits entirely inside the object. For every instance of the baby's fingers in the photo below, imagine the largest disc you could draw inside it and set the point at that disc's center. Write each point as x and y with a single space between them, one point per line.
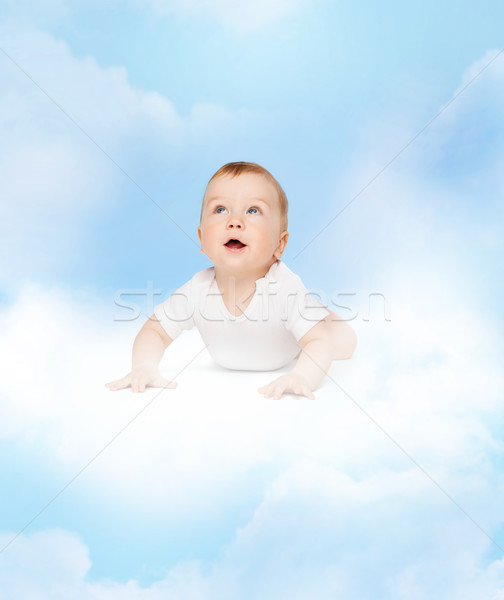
302 389
277 390
308 393
266 390
138 384
119 384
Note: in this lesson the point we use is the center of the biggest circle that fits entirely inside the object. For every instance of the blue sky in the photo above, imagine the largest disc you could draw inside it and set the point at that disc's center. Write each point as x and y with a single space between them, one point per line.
214 492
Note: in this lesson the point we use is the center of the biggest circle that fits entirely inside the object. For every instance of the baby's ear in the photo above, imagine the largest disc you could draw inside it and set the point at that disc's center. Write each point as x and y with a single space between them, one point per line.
284 238
199 235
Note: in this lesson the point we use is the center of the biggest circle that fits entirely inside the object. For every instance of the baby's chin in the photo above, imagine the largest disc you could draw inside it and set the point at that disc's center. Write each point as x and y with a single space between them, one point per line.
243 269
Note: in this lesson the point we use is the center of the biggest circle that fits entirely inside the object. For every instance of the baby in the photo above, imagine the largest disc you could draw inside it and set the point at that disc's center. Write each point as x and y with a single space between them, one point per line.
251 310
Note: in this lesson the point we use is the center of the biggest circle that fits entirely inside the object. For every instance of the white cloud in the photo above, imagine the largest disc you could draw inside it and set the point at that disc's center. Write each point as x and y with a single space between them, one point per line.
340 494
455 162
49 564
323 534
484 76
430 400
343 507
424 239
465 144
52 177
317 533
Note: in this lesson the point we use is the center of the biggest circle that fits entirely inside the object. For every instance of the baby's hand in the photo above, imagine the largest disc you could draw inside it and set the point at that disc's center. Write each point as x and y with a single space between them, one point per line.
139 379
292 382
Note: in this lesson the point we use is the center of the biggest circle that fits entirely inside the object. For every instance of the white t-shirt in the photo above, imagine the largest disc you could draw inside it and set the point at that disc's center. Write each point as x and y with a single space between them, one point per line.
263 338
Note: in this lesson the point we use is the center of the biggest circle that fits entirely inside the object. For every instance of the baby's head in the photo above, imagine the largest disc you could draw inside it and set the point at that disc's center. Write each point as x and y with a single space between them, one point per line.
244 202
235 169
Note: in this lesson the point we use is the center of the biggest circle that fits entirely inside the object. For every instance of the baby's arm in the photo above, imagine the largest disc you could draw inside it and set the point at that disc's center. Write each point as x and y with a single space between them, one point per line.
148 350
330 339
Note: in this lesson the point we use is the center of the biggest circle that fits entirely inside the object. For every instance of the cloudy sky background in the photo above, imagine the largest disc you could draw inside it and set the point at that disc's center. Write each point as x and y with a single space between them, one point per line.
113 117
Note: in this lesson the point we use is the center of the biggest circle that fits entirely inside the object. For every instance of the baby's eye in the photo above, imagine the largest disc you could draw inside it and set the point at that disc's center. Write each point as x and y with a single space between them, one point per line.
217 210
256 209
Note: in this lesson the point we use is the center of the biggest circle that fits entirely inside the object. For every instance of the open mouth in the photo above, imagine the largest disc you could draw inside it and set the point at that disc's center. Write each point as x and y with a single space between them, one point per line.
234 245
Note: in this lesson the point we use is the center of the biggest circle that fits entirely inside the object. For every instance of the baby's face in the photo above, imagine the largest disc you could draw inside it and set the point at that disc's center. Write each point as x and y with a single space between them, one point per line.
243 208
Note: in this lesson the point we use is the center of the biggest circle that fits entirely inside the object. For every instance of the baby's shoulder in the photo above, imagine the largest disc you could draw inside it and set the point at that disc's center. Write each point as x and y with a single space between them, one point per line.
204 276
196 282
285 276
201 281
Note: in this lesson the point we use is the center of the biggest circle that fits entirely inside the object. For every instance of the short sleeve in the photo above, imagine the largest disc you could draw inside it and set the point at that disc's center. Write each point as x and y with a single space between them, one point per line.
303 310
177 312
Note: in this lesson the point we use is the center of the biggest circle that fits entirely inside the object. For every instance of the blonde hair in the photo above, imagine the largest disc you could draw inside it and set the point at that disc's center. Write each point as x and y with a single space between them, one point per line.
234 169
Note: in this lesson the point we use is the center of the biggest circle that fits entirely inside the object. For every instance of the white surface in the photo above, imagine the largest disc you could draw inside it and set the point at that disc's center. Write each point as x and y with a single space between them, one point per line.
290 480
